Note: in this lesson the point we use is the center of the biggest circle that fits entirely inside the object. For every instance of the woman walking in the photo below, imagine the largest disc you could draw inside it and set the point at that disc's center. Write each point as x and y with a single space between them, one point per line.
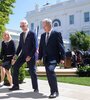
7 53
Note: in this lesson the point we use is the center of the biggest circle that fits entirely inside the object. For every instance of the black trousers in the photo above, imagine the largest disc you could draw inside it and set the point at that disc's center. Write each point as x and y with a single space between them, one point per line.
32 70
51 76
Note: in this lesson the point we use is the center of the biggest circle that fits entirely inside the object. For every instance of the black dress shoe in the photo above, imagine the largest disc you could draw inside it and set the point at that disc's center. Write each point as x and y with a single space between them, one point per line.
36 90
54 95
14 88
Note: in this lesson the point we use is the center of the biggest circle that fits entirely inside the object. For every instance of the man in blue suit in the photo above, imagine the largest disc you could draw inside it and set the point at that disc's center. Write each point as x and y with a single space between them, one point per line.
26 53
51 49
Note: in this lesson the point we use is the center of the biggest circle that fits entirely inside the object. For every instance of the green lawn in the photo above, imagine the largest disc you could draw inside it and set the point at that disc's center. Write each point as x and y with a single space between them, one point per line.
73 80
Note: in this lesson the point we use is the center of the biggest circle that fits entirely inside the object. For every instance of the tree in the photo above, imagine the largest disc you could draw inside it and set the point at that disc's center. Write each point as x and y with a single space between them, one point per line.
80 40
5 10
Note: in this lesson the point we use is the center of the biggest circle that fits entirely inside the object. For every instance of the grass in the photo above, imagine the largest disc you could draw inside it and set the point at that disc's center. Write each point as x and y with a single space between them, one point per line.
72 80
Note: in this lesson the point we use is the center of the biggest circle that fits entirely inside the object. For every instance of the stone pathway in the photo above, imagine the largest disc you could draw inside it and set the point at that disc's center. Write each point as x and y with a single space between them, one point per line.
67 92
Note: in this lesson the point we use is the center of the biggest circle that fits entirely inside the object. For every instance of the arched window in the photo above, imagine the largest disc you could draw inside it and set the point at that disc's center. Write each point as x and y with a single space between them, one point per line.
56 23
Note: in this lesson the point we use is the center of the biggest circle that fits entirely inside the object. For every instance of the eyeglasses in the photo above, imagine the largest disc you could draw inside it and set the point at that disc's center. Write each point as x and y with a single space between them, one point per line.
22 26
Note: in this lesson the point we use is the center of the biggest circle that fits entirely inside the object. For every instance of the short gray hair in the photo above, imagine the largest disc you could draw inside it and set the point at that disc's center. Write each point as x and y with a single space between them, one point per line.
47 20
24 21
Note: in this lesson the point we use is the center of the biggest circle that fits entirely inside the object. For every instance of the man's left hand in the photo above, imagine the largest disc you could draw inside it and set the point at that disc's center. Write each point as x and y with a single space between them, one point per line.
28 58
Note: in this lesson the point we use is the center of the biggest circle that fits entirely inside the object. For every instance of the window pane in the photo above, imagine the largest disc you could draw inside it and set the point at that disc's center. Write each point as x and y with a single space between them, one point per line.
56 25
86 17
71 19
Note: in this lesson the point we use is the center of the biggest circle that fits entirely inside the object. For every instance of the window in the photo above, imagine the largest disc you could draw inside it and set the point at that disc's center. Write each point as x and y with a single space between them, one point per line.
56 23
32 26
71 19
86 16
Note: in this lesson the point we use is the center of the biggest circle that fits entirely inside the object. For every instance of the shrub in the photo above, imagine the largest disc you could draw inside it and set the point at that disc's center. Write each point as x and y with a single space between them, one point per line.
88 71
80 40
22 73
83 71
21 77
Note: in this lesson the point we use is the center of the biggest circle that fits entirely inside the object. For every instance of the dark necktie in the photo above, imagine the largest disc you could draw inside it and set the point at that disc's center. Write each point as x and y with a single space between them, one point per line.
47 37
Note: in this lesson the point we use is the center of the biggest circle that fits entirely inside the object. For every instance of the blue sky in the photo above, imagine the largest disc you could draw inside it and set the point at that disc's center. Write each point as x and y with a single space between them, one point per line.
21 7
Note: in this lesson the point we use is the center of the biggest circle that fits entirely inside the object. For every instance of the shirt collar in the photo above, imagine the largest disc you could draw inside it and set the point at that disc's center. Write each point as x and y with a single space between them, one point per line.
26 32
50 32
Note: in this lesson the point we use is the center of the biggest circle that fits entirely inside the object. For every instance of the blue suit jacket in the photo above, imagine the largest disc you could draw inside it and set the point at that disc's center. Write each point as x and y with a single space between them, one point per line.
54 51
29 46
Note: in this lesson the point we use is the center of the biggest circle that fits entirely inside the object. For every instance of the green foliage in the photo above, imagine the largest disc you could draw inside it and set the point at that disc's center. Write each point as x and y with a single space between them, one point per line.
5 10
83 71
83 68
72 80
22 73
80 41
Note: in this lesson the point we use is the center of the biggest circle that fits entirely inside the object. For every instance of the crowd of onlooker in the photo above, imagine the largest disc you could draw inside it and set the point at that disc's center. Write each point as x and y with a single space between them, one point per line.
78 57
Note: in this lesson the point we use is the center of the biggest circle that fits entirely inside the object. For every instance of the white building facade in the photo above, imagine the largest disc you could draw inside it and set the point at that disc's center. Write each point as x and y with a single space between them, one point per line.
15 34
68 17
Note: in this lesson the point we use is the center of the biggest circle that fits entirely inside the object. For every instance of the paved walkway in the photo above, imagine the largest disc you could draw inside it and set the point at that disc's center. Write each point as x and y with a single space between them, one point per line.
67 92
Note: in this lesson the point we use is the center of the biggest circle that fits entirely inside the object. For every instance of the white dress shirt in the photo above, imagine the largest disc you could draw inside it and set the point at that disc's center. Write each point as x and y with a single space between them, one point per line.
26 33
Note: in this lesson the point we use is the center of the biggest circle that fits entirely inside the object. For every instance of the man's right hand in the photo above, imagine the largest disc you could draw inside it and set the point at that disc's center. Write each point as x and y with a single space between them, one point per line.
13 61
14 57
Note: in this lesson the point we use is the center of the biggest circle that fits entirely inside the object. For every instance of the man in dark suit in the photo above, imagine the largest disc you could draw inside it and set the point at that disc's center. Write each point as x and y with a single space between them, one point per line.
51 49
26 53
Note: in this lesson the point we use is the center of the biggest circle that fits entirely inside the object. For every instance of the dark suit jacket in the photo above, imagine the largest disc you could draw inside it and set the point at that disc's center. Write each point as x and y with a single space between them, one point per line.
7 50
27 48
54 50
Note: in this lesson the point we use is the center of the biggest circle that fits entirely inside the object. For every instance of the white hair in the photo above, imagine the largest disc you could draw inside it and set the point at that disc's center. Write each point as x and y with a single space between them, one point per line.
47 20
24 21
